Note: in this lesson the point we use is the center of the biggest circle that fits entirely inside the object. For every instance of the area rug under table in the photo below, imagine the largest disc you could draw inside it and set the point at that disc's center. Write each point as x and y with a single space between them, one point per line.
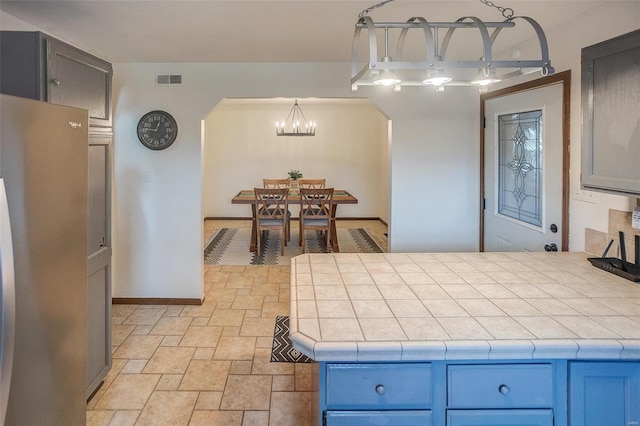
230 246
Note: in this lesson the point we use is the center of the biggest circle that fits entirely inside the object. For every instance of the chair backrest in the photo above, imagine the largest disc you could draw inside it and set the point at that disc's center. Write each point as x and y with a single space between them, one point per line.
316 203
276 183
311 183
271 203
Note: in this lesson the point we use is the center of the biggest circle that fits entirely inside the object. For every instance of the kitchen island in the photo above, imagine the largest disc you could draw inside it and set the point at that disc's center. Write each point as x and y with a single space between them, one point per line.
468 338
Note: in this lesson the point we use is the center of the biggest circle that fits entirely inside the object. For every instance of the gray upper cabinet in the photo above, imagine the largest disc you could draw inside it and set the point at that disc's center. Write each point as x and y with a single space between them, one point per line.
611 116
37 66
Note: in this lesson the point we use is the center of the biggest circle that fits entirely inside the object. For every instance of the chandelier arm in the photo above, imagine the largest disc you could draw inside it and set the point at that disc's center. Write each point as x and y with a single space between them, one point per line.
363 22
290 113
544 47
495 33
428 38
373 41
355 45
486 39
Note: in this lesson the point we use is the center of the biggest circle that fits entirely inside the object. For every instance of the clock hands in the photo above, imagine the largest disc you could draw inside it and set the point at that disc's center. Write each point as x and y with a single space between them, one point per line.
152 130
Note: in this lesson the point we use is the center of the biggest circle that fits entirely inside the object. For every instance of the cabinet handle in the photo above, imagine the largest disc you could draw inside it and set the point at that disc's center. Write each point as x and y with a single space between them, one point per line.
504 389
381 390
55 82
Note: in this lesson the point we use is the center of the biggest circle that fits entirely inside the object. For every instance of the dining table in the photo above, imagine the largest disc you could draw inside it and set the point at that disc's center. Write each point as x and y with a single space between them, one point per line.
340 196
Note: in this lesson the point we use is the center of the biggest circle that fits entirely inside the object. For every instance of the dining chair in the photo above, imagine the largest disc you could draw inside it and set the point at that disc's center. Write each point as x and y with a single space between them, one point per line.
271 214
280 183
276 183
311 183
316 206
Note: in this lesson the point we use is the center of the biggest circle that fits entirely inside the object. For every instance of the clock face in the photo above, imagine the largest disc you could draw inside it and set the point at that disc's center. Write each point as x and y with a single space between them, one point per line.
157 130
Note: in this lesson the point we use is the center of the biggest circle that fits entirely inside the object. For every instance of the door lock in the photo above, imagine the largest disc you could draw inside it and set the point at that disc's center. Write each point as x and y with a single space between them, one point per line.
553 228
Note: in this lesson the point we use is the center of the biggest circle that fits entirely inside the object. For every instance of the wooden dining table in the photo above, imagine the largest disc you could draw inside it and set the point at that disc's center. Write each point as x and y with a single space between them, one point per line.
340 196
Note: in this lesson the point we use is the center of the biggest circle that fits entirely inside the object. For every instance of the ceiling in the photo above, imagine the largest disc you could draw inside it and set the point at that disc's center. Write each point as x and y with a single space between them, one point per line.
245 30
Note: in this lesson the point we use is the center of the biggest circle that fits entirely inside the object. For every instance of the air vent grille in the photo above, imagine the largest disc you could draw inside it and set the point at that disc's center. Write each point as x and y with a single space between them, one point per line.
169 79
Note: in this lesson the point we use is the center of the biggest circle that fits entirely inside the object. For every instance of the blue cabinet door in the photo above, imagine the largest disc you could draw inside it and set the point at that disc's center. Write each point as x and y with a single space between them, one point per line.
379 418
499 417
383 386
604 393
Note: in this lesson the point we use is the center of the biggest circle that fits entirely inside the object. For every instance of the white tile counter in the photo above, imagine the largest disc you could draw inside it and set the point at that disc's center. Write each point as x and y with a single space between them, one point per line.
408 307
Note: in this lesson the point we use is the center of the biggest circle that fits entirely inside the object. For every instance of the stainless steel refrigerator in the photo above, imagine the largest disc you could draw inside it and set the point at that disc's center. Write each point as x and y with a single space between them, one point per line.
43 262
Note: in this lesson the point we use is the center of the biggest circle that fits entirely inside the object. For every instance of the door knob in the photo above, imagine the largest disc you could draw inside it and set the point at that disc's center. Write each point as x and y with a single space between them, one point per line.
551 247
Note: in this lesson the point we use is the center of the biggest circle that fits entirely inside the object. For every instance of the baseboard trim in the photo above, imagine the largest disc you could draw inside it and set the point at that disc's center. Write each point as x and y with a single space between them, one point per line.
295 218
154 301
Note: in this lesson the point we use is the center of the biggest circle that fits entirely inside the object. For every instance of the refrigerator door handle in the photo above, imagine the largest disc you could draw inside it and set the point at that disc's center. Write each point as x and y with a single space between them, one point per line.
7 297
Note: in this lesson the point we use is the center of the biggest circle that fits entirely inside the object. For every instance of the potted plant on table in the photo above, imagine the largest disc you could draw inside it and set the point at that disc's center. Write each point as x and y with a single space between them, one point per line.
294 175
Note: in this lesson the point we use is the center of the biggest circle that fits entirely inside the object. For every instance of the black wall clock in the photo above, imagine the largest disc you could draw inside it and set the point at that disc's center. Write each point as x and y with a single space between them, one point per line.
157 130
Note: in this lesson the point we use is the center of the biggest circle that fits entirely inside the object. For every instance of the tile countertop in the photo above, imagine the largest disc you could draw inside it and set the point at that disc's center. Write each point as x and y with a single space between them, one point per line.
410 307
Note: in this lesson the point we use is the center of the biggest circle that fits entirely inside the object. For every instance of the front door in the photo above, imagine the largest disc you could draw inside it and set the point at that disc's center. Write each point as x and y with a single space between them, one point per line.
523 171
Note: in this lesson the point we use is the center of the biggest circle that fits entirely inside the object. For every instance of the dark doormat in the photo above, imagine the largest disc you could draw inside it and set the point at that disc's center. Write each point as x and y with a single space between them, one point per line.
282 350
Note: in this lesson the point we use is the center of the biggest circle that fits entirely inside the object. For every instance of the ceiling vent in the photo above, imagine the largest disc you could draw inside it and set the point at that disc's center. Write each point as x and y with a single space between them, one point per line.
169 80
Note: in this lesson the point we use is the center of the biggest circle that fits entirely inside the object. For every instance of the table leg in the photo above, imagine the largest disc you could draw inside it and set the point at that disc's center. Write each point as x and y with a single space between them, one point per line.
334 233
254 235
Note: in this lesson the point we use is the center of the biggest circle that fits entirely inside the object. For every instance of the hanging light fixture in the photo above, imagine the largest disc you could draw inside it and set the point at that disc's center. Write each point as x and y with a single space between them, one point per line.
386 77
296 124
437 77
433 67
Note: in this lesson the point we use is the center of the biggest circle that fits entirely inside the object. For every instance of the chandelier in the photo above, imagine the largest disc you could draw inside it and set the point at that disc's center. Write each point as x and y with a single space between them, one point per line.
296 124
433 67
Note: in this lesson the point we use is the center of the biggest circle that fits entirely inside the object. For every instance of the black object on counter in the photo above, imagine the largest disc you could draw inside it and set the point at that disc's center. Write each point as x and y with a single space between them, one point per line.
620 266
623 251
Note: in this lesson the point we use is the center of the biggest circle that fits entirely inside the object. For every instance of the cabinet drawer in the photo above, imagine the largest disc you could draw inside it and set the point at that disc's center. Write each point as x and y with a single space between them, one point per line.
364 418
500 386
380 386
500 418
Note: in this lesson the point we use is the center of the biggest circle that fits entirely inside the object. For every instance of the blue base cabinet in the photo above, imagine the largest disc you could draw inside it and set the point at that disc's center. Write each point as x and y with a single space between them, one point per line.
378 418
480 393
604 393
500 417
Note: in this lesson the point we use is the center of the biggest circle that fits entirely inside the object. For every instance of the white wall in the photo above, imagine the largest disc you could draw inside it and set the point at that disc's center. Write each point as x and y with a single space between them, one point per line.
350 150
157 224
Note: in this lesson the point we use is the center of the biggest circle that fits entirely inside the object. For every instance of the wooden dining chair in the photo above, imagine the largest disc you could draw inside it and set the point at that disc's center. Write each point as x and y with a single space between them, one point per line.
271 214
311 183
276 183
279 184
315 213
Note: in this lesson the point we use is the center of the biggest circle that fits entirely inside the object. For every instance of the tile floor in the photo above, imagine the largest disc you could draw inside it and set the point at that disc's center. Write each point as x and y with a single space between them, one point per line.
210 364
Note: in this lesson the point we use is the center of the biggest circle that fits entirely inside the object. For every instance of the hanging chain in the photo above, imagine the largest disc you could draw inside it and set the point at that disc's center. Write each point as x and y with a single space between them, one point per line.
366 11
507 12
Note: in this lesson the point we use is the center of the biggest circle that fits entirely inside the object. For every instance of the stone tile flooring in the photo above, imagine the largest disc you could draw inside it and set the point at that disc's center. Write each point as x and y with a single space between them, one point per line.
210 364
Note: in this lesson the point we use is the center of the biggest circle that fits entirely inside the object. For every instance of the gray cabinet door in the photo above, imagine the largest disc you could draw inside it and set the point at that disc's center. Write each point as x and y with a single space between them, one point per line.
78 79
99 261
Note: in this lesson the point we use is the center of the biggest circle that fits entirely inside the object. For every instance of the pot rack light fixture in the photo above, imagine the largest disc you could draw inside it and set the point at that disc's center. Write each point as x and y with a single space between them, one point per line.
296 124
434 67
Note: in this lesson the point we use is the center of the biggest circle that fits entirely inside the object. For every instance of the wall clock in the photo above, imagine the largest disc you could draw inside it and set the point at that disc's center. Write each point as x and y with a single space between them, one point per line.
157 130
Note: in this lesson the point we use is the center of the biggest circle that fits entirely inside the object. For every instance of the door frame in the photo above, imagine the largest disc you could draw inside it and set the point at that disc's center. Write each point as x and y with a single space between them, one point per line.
565 79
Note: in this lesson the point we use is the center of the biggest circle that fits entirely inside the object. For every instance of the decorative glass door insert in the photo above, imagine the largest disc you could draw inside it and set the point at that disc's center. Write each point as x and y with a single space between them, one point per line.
520 167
